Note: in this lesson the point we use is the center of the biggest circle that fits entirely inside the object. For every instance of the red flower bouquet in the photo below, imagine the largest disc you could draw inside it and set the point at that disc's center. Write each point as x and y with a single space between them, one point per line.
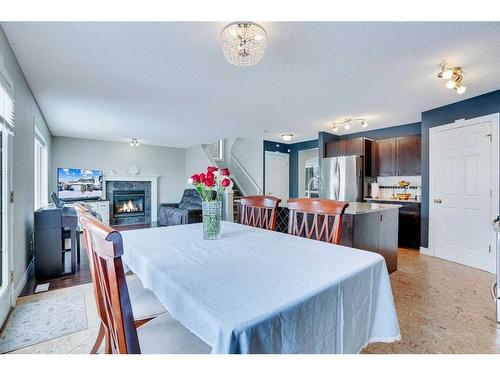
212 184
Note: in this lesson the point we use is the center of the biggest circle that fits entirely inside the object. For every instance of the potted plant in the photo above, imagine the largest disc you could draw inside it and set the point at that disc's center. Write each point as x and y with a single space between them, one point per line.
211 187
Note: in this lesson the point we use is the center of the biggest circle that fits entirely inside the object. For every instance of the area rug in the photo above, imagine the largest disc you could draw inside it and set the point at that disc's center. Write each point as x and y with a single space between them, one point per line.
42 320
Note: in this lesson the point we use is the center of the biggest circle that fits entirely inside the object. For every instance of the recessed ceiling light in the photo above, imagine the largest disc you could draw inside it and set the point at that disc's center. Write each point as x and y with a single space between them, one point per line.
287 137
347 126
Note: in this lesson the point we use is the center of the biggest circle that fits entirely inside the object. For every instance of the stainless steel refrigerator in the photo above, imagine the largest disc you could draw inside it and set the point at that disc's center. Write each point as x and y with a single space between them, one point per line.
342 178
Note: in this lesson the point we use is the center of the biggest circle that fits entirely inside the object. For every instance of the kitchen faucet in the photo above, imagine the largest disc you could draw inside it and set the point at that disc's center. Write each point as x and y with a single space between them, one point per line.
314 178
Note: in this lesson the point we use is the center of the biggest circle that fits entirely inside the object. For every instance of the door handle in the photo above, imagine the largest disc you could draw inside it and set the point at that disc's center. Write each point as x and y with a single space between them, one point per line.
493 291
438 201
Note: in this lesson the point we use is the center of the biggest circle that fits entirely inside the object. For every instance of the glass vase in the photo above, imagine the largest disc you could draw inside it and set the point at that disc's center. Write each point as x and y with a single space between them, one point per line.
212 212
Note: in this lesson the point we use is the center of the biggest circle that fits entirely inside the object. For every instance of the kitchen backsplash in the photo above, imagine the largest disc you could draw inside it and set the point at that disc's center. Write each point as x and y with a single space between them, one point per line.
389 186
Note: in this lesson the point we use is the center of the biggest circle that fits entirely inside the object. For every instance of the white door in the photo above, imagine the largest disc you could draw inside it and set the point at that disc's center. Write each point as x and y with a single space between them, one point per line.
276 175
463 184
6 294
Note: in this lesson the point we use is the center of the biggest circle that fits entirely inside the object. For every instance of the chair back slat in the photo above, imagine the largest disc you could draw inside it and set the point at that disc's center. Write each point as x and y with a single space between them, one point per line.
319 219
105 248
83 210
259 211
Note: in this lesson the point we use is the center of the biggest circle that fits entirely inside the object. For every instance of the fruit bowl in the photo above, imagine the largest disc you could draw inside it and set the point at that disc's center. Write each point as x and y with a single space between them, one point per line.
403 196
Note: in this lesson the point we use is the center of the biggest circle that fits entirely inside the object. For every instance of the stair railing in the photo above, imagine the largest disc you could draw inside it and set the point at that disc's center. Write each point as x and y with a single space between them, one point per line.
228 200
249 178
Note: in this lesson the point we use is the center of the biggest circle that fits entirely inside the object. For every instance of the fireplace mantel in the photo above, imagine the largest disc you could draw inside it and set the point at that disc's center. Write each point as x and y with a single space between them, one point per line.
154 189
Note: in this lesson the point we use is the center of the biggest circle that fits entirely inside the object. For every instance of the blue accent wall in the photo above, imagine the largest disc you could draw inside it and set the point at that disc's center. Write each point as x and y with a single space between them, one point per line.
394 131
481 105
294 164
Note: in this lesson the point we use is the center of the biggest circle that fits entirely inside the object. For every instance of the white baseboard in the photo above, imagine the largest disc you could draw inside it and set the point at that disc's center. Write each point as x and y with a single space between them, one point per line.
22 283
426 251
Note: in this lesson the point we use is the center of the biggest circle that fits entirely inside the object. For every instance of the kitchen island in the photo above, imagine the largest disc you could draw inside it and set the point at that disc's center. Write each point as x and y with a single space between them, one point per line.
367 226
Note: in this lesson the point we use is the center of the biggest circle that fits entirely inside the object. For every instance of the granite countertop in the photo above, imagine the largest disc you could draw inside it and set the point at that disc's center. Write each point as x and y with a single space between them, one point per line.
356 208
391 200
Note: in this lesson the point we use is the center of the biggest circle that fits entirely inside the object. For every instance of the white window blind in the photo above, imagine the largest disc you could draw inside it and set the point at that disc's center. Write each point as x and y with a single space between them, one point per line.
216 150
7 105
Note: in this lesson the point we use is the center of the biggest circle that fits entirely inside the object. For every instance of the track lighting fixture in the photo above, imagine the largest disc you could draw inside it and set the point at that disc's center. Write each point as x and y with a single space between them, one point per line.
347 123
455 77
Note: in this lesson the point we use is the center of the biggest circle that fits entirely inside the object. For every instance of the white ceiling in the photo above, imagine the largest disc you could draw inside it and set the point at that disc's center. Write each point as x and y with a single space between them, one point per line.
169 84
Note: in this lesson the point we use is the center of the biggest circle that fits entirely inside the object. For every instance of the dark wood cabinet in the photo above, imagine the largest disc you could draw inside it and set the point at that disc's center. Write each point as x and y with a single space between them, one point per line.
408 156
334 149
409 226
354 146
397 156
345 147
385 157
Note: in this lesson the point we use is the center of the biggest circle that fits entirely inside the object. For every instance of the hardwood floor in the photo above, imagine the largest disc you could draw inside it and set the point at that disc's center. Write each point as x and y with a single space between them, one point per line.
82 274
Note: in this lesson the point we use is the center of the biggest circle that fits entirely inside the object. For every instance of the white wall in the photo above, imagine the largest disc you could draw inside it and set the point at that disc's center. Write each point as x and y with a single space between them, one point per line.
22 158
196 162
250 153
304 157
167 162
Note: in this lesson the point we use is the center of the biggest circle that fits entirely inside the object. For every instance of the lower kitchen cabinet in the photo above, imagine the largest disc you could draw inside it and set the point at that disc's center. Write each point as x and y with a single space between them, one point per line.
409 226
409 223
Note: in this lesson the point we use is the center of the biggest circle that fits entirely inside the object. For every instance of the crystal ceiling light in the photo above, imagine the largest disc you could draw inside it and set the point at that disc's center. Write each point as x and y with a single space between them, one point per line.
243 43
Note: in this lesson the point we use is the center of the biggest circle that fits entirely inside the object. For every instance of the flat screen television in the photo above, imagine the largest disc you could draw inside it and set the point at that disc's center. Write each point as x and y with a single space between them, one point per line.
74 184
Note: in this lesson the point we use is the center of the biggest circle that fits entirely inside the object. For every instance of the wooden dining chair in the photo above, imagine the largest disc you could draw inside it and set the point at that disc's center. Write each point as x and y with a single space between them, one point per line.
82 211
319 219
259 211
160 335
145 305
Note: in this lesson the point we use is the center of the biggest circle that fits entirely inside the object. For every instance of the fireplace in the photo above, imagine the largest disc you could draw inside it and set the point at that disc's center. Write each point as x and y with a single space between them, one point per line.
127 203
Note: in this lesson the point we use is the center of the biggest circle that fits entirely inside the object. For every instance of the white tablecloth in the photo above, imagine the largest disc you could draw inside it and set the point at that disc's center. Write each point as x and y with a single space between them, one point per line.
258 291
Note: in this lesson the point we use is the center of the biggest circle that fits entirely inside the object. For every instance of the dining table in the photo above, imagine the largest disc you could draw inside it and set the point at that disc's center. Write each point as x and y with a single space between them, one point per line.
259 291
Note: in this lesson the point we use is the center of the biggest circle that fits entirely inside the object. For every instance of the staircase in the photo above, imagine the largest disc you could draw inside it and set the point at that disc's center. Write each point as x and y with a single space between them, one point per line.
237 194
243 183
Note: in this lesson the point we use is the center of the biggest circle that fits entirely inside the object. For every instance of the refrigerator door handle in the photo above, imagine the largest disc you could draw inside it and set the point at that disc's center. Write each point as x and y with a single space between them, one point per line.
494 291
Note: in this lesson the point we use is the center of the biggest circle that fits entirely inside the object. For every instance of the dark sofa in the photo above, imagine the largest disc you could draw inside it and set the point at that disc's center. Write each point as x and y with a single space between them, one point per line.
187 211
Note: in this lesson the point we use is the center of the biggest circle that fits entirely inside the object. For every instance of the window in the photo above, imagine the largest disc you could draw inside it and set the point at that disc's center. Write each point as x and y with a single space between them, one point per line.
6 101
216 150
41 171
6 129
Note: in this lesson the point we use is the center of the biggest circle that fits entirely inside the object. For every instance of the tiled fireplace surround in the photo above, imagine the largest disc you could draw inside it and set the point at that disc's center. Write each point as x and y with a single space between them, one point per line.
145 186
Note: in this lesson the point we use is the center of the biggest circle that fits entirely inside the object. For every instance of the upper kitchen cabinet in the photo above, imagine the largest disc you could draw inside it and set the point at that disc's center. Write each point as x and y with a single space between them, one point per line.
408 156
385 157
397 156
354 146
345 147
334 149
